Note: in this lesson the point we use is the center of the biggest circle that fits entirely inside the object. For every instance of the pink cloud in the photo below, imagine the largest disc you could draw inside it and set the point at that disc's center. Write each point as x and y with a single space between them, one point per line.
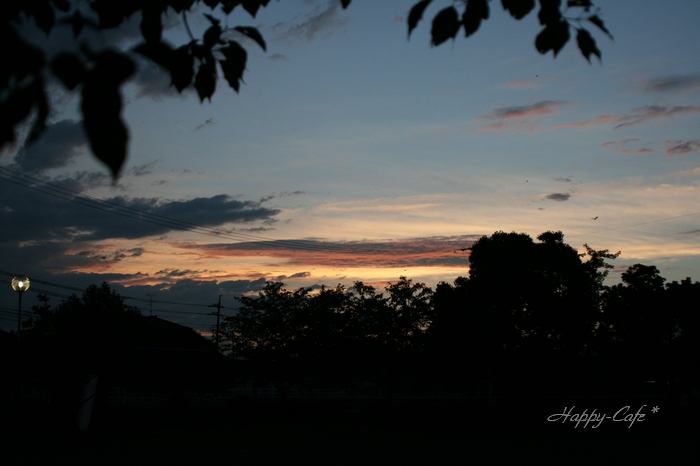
674 148
636 116
623 149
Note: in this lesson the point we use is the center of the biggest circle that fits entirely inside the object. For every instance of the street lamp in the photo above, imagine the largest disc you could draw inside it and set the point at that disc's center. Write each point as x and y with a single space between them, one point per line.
20 284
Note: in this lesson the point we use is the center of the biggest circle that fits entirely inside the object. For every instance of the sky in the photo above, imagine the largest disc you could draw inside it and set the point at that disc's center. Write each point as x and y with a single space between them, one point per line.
352 153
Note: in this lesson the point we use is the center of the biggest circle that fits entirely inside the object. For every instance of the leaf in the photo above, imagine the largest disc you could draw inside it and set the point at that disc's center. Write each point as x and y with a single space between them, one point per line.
552 37
68 69
518 8
101 107
113 13
228 5
151 26
212 20
13 110
181 68
345 3
416 14
158 52
252 33
77 23
42 111
582 3
549 12
595 19
251 6
211 36
445 25
205 81
471 19
234 64
587 45
43 14
61 5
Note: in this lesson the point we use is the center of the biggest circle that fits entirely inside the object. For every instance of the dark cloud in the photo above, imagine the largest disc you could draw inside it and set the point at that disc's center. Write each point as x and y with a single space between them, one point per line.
322 21
177 273
636 116
53 216
682 147
282 194
689 232
560 197
57 147
281 278
209 121
543 108
142 170
674 83
562 179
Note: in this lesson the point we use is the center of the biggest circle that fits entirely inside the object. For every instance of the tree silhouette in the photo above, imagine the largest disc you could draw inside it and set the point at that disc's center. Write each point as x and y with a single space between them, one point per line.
268 334
536 306
98 74
641 325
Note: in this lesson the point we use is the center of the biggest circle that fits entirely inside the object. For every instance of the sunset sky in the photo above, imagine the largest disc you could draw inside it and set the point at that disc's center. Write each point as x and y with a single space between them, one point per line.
352 153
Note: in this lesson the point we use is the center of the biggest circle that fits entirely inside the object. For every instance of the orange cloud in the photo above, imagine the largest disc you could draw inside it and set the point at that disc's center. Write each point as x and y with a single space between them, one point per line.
417 252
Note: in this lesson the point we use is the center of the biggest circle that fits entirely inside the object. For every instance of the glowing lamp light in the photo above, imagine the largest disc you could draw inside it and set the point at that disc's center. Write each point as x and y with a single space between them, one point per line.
20 283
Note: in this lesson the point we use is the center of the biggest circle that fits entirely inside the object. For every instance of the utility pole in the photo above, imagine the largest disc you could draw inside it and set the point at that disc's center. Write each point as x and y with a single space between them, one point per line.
218 307
150 300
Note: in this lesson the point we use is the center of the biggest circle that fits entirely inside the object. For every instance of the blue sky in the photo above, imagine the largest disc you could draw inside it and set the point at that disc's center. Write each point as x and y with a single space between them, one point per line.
368 156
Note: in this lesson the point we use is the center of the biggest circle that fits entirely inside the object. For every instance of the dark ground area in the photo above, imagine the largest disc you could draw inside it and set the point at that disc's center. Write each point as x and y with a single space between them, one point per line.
351 433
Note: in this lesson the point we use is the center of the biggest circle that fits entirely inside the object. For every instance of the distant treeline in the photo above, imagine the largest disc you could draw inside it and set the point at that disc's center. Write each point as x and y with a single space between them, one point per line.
531 318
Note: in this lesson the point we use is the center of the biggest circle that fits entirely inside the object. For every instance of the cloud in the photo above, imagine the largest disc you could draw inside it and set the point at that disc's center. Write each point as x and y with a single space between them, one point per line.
563 180
673 83
54 216
417 252
282 194
636 116
142 170
281 278
277 57
322 21
682 147
623 149
56 148
543 108
209 121
560 197
177 273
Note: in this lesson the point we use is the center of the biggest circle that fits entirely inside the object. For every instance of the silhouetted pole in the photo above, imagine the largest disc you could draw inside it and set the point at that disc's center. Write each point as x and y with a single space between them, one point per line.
218 307
150 301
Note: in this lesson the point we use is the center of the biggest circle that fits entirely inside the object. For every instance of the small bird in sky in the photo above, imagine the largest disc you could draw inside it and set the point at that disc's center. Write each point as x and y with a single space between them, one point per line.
595 218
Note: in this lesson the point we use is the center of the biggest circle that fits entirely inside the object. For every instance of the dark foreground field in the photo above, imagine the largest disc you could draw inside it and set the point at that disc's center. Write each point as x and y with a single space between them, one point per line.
342 433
